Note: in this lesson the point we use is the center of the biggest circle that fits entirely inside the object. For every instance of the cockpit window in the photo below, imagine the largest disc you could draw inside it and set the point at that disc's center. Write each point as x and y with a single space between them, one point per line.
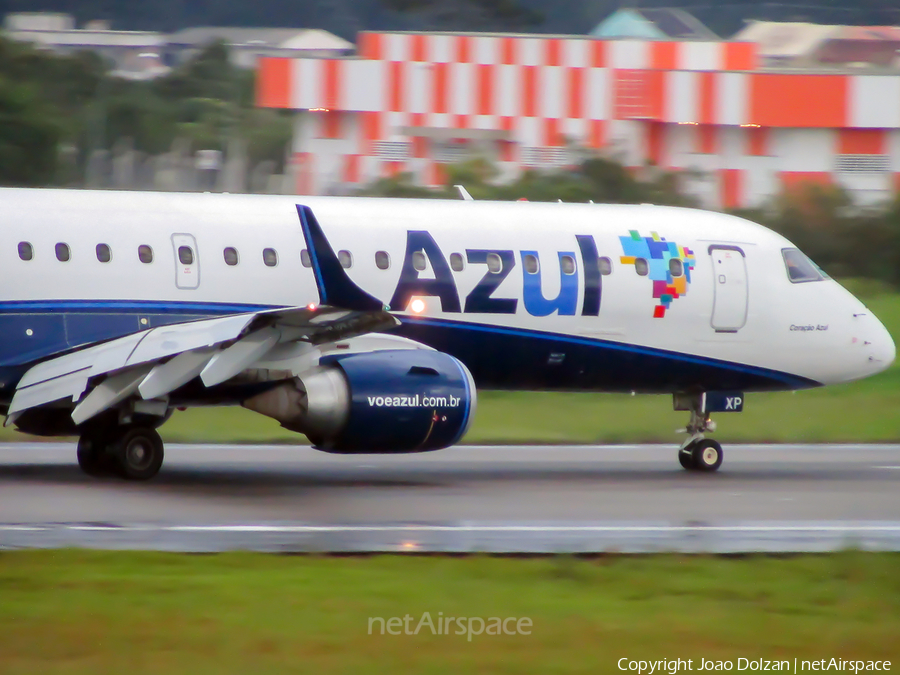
799 267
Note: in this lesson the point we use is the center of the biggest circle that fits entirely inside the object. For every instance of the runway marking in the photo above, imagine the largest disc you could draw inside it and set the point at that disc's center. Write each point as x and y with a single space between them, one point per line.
22 528
886 467
463 537
455 528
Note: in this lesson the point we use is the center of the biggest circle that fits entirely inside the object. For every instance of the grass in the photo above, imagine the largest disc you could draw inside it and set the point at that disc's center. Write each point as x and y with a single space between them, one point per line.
99 612
862 411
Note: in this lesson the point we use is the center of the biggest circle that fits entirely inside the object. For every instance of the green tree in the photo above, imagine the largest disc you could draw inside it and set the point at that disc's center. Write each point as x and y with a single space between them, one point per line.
29 137
401 185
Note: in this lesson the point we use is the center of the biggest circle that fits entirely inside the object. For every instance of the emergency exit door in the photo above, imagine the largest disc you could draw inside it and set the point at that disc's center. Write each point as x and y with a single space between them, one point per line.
730 295
187 261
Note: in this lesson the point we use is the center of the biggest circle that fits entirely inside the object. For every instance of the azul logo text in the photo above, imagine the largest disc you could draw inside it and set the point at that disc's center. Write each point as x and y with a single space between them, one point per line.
420 245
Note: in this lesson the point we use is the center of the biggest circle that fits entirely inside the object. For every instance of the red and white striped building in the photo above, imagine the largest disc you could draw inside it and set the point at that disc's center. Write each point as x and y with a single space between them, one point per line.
414 101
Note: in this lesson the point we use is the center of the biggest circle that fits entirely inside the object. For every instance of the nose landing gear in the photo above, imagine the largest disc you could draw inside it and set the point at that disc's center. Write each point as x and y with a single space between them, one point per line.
699 453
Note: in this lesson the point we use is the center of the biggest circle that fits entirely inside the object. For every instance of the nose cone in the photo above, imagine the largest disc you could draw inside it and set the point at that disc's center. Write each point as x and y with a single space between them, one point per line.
881 348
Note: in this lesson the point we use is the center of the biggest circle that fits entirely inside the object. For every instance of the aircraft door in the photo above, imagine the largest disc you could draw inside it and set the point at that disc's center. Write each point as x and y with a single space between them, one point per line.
730 294
187 261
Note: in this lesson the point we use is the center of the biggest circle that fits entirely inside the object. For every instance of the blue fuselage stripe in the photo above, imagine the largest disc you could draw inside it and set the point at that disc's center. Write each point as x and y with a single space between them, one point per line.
607 344
455 337
164 306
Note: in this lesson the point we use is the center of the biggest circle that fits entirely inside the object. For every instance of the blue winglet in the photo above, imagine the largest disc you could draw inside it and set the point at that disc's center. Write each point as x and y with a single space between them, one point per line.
335 287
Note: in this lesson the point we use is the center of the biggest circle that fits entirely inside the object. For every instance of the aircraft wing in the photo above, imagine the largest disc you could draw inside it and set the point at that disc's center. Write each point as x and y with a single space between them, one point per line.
154 362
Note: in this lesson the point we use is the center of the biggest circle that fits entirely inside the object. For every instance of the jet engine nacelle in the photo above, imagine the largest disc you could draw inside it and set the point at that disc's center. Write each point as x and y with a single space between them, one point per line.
408 400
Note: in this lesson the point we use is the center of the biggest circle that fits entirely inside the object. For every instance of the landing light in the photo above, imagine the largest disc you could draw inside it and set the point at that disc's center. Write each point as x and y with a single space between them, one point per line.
311 307
417 306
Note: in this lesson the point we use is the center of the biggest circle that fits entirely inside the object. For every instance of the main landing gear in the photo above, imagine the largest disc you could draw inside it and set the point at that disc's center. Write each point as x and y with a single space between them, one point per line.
132 451
699 453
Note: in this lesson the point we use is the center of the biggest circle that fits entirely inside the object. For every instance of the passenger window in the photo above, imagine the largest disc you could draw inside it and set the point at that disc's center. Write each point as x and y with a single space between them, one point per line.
305 260
419 260
382 260
185 255
568 264
104 254
270 257
62 252
532 266
345 258
231 256
26 251
494 262
676 267
641 267
605 265
456 262
800 268
145 254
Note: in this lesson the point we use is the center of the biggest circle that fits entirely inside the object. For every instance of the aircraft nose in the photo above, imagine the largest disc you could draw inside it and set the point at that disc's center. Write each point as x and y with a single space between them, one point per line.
882 349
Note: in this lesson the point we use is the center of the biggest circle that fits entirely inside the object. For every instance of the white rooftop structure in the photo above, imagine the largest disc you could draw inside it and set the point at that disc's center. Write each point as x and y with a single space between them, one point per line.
248 44
781 43
38 21
146 54
136 55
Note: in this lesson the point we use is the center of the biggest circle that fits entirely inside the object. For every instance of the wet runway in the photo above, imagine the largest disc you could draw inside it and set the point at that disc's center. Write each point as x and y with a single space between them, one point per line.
493 498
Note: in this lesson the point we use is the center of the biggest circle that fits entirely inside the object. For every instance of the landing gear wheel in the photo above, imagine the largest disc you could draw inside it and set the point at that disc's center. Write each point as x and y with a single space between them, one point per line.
686 459
707 455
138 453
92 455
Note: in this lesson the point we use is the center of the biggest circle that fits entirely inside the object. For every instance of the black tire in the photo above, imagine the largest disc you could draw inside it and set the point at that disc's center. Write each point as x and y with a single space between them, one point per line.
138 453
93 458
686 459
707 455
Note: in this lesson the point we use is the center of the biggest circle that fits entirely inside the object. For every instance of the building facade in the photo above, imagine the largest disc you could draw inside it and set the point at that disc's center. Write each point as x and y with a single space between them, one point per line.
412 102
146 55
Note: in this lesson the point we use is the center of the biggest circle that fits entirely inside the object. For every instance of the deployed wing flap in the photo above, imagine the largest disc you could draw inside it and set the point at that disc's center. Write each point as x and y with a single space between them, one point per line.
68 376
83 359
174 373
232 360
155 362
112 390
165 341
54 390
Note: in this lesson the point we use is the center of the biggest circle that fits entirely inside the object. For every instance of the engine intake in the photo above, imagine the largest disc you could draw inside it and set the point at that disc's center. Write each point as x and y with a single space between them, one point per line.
409 400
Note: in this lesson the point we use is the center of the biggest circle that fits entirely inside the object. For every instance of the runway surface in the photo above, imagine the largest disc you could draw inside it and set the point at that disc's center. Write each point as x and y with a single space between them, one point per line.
506 498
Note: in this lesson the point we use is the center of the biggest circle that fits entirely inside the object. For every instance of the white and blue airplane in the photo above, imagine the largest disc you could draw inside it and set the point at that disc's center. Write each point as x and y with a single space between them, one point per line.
368 324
